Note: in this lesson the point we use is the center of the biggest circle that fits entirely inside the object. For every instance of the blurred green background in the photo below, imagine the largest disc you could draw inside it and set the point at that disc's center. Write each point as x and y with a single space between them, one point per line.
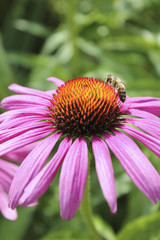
69 39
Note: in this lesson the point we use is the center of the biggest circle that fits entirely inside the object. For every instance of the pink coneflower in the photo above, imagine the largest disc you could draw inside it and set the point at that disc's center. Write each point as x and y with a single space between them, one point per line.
7 173
83 112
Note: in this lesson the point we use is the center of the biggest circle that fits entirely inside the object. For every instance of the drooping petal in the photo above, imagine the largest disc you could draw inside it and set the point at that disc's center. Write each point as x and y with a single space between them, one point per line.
152 143
23 101
5 180
43 179
51 92
6 211
148 125
141 99
12 123
23 112
23 139
56 81
20 154
28 91
105 173
141 113
151 106
8 167
29 168
135 163
7 172
73 178
7 134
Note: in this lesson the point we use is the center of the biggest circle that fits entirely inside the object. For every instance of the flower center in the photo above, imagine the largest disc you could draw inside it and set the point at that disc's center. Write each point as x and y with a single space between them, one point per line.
85 106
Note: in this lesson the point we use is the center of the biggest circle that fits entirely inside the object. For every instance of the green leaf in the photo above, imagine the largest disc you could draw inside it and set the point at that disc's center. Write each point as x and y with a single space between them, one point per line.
31 27
104 228
54 41
88 47
6 76
144 228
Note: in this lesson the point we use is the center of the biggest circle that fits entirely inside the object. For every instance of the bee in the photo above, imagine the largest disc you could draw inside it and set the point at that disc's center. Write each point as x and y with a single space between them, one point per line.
117 85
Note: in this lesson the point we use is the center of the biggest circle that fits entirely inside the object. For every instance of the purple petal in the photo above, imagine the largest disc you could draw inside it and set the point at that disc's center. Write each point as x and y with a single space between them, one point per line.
135 163
20 154
24 139
25 120
30 167
29 91
23 112
141 113
6 211
7 134
152 143
5 180
8 167
105 173
51 92
141 99
43 179
56 81
152 107
18 122
23 101
73 178
148 125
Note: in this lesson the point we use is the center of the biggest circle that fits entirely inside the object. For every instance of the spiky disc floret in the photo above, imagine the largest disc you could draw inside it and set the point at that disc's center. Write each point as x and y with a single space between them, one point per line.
85 106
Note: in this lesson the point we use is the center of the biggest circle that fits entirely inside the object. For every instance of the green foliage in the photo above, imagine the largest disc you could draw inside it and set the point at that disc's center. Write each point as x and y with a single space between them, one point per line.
15 230
69 39
144 228
6 76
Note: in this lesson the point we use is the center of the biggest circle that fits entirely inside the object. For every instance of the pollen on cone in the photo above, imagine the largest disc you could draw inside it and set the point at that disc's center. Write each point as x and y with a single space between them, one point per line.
84 106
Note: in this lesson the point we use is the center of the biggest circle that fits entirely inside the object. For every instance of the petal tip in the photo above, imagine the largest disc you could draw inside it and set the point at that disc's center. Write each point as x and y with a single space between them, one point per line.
114 209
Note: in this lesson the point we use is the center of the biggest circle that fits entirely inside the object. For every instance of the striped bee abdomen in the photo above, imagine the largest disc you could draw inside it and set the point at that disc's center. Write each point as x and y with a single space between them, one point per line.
122 94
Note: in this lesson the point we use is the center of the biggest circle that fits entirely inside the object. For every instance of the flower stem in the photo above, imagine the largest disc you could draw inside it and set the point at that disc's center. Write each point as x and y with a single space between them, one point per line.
86 209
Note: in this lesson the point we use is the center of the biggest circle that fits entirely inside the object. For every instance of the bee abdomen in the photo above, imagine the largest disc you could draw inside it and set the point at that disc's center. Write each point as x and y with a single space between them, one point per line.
122 94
